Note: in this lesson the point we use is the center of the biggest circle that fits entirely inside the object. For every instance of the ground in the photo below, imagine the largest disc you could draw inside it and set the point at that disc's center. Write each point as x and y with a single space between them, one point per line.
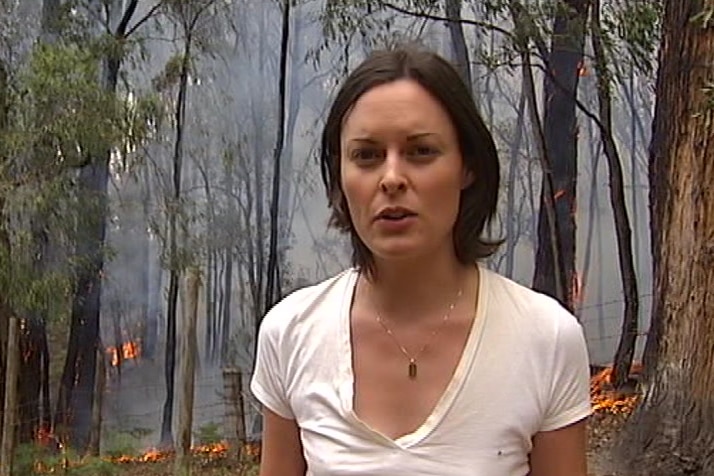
603 429
611 412
217 460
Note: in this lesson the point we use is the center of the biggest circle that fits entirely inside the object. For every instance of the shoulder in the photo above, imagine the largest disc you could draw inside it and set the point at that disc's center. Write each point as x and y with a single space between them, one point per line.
539 314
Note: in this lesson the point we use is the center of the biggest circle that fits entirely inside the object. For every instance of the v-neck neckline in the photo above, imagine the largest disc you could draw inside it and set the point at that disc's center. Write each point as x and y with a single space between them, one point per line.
432 421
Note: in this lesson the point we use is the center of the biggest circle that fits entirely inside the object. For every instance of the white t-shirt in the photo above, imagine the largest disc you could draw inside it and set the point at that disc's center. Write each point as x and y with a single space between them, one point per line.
524 370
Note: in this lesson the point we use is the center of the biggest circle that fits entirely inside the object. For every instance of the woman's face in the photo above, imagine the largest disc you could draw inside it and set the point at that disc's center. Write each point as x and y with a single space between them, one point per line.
402 172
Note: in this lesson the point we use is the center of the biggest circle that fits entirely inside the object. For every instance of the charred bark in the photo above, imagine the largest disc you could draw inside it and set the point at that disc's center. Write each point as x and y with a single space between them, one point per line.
672 431
32 395
630 319
75 397
76 393
271 295
556 261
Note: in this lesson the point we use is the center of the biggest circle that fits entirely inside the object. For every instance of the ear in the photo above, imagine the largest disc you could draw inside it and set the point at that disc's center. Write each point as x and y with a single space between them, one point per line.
467 178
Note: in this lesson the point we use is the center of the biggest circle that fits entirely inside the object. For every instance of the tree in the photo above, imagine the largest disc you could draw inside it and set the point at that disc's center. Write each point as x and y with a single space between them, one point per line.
630 322
272 289
672 431
76 394
555 255
459 49
187 16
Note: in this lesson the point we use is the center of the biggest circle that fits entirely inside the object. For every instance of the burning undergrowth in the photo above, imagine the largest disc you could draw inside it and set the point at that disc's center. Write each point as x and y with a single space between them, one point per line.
215 455
611 408
606 399
209 452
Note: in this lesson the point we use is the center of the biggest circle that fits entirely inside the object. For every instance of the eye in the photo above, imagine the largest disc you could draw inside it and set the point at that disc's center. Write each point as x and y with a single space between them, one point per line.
365 154
423 152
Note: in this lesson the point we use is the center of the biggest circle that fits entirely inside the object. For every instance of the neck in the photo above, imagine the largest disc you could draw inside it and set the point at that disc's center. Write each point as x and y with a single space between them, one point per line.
408 291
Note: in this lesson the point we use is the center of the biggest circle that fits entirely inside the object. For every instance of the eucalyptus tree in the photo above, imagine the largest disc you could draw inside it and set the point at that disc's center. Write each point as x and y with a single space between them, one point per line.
671 432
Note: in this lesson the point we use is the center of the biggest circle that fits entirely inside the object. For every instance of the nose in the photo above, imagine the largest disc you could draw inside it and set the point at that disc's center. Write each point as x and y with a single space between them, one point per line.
393 179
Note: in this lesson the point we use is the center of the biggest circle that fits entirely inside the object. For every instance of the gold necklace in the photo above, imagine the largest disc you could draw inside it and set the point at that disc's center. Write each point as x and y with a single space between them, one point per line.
412 372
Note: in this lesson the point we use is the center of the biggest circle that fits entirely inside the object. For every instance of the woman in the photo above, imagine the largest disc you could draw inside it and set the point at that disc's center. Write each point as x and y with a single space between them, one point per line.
418 360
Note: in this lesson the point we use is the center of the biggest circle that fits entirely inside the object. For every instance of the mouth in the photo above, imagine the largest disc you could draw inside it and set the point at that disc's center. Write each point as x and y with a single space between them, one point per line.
394 214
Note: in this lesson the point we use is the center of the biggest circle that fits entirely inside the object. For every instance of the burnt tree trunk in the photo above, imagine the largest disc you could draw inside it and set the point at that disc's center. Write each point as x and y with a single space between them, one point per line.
7 441
76 393
560 129
32 414
672 431
74 403
271 288
521 23
630 318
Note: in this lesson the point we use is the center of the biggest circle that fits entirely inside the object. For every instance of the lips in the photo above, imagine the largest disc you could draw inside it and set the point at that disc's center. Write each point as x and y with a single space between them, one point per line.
394 213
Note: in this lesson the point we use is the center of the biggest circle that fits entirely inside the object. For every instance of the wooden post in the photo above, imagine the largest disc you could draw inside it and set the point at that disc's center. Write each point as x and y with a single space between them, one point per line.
235 415
187 367
10 409
99 384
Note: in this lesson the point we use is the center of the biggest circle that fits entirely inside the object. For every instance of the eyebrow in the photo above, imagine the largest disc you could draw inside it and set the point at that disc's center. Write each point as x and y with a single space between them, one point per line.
411 137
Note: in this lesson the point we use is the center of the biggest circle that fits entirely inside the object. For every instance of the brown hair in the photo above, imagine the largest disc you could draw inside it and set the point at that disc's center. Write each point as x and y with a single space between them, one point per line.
478 202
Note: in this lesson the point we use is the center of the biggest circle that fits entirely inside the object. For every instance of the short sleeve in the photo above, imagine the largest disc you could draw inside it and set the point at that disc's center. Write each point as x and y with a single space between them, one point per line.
569 400
268 381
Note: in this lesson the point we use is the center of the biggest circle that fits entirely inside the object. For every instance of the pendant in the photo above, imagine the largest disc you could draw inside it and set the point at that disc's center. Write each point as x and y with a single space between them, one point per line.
412 369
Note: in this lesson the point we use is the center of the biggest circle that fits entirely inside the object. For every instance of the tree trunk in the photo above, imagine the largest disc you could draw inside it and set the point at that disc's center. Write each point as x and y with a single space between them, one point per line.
672 431
213 246
630 318
538 135
257 254
227 304
148 317
459 50
76 394
188 367
175 266
511 216
7 444
74 405
215 303
271 295
234 409
32 336
210 315
95 436
560 129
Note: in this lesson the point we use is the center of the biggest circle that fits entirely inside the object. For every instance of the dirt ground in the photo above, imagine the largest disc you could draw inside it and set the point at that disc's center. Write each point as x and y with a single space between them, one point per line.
604 428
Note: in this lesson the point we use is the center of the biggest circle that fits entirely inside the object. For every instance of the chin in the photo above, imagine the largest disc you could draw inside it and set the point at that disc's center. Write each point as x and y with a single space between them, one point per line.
399 252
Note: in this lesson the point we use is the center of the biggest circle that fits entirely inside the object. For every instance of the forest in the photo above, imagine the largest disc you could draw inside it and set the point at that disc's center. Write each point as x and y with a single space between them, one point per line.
160 191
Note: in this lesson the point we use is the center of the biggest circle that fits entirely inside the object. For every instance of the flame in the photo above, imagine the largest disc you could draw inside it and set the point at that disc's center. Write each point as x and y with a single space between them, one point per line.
129 350
211 451
605 399
577 291
582 69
